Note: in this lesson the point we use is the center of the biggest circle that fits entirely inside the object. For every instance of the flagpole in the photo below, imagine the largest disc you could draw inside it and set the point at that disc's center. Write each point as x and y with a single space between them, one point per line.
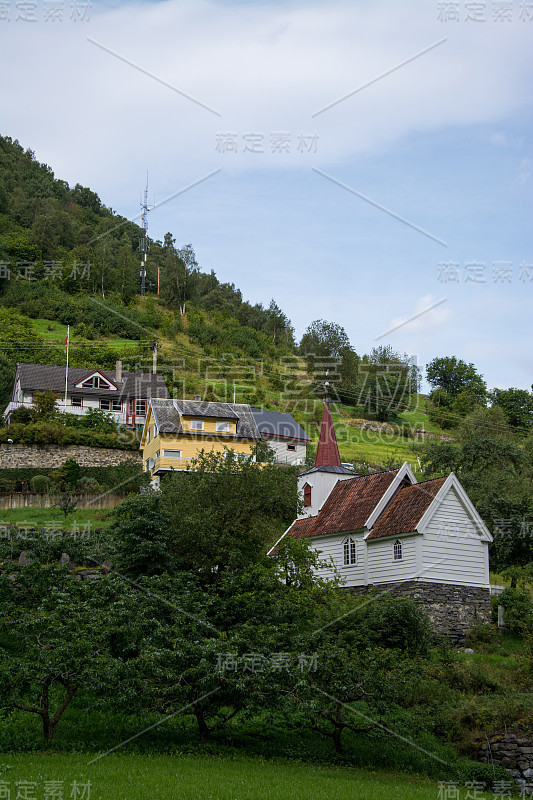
66 370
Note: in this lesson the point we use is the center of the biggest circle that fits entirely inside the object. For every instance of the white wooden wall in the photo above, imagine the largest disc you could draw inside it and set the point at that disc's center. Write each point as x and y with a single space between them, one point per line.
452 550
331 549
382 568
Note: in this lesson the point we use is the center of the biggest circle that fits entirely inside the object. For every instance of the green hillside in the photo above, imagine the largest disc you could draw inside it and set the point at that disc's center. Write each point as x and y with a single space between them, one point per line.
67 259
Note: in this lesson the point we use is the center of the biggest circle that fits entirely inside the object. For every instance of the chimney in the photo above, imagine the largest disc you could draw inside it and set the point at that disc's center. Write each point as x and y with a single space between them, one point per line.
197 398
118 372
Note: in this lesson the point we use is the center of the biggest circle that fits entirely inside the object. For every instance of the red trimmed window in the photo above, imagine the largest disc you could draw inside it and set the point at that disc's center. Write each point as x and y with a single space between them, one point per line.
307 495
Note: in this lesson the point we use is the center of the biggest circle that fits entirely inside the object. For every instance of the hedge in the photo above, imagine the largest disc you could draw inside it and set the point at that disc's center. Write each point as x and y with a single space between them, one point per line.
121 479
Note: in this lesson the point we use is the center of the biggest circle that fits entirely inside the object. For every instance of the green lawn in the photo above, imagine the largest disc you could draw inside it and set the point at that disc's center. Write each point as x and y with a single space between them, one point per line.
32 516
142 777
54 331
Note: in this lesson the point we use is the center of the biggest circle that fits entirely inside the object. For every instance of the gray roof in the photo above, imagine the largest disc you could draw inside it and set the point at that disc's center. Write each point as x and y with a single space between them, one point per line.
275 423
38 377
188 408
167 417
335 470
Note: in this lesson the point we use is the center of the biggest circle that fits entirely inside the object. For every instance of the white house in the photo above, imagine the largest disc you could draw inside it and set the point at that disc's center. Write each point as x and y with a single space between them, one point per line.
123 395
388 530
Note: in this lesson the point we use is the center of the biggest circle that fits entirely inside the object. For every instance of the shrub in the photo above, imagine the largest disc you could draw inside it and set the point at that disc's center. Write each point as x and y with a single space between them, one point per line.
40 483
518 610
6 485
22 415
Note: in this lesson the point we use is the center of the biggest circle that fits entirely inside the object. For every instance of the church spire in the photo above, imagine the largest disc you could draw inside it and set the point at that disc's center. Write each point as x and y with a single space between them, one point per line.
327 454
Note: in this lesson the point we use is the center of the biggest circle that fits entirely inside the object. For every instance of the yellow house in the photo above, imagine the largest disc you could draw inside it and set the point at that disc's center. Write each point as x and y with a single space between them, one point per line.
176 430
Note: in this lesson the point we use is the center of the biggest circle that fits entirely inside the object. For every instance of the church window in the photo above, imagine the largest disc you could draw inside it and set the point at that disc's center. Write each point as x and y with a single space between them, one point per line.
397 550
349 551
307 495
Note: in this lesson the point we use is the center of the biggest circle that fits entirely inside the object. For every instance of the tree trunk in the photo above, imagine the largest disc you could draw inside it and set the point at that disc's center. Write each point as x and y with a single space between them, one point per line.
48 728
203 730
337 740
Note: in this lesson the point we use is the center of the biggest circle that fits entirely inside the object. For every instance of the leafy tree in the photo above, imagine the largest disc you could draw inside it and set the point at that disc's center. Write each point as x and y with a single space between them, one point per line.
50 647
68 474
45 404
225 511
452 375
517 405
496 472
66 504
326 347
457 389
387 383
142 531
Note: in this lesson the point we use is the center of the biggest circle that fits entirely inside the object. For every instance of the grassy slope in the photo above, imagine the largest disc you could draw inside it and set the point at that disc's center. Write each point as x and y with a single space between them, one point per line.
355 445
138 777
52 517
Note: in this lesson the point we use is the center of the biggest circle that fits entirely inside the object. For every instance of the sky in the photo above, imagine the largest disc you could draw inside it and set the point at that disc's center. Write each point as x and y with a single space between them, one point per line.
365 162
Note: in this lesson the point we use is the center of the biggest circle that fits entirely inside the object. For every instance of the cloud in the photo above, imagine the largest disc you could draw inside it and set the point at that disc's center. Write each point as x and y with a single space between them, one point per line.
265 68
428 314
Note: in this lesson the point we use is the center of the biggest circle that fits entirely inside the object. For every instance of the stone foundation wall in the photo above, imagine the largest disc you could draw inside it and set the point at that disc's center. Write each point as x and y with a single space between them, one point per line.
514 753
53 455
452 610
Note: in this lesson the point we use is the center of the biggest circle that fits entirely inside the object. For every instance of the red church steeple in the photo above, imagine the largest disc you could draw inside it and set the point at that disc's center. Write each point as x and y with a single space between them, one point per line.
327 454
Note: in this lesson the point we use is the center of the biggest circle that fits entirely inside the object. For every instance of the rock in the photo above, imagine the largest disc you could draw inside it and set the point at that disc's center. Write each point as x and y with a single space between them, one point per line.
107 565
468 650
24 559
65 559
528 773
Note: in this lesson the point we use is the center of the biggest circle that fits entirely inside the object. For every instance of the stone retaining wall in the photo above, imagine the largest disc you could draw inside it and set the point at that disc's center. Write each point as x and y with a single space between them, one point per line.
514 753
39 500
452 610
53 455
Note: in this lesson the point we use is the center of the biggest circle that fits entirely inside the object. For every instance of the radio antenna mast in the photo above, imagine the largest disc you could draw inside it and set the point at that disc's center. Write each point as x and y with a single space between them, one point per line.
143 244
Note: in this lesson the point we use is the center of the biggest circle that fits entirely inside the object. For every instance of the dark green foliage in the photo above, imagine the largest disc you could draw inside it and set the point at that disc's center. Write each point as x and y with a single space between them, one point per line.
457 389
451 375
68 474
66 503
40 483
122 479
518 605
517 405
496 472
142 535
58 433
388 382
327 349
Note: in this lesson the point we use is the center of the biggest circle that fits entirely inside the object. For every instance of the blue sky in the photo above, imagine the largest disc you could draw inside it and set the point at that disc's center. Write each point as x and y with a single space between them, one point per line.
435 128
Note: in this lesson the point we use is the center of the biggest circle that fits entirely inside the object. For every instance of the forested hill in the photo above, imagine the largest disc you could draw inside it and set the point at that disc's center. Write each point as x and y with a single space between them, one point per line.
50 233
67 258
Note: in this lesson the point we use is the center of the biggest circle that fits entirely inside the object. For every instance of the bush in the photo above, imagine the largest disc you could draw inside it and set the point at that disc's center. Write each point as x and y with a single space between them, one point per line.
6 485
40 483
395 622
518 607
87 484
22 415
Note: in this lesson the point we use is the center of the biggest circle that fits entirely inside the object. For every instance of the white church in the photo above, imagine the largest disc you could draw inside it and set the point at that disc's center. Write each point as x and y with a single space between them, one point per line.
387 530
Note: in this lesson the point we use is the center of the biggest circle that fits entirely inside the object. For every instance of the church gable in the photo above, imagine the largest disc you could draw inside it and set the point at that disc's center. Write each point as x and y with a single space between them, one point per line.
452 514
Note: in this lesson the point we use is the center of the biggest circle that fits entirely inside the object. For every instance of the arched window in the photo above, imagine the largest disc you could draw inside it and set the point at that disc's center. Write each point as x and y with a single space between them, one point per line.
349 551
307 494
397 550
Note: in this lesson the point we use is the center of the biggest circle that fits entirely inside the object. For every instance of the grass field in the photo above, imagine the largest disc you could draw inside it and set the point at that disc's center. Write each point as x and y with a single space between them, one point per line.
37 517
140 777
54 331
